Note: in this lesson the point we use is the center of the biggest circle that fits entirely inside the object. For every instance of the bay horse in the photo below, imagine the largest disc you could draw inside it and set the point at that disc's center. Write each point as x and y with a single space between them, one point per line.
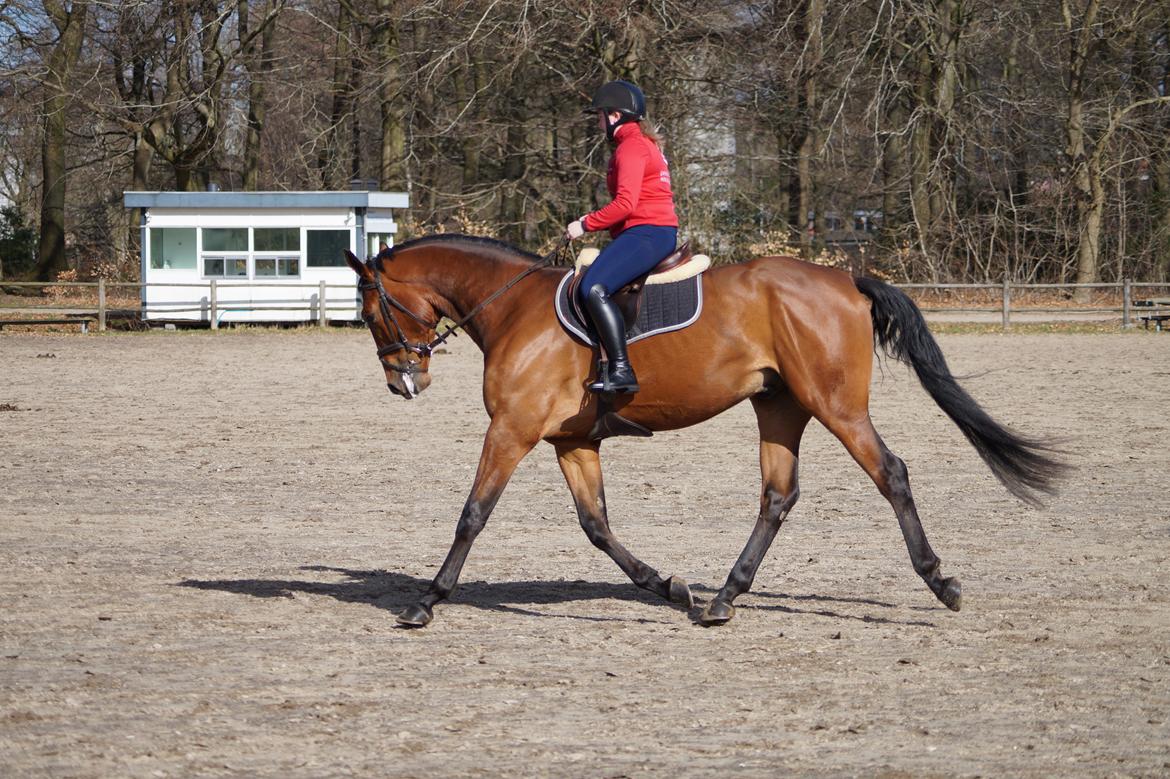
796 339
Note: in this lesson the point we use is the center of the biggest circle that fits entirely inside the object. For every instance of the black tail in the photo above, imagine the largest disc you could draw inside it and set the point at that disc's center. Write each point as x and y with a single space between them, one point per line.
1021 464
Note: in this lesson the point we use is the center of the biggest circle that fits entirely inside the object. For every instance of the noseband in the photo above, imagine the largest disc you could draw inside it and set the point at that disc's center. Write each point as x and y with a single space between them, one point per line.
388 304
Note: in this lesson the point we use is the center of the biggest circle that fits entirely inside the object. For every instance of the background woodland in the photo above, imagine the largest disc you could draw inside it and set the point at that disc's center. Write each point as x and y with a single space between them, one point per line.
929 140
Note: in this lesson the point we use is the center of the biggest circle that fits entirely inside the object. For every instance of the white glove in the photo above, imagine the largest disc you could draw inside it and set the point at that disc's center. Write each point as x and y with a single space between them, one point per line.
575 229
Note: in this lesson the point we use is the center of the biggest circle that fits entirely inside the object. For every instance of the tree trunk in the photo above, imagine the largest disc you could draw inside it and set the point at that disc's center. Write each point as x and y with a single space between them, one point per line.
1017 184
783 202
1161 204
471 142
356 170
139 177
515 163
947 33
922 160
70 26
392 149
1159 133
1090 212
894 173
810 33
422 143
1087 186
328 158
258 61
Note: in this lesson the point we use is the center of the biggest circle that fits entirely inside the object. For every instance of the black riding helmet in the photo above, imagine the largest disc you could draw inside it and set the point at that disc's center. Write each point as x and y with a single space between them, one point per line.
623 97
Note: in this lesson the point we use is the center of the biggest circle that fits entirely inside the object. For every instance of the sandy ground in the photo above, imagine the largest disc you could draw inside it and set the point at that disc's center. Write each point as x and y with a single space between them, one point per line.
204 539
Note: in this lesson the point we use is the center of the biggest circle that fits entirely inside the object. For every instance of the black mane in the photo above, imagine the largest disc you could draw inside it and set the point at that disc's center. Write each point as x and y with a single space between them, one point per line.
389 253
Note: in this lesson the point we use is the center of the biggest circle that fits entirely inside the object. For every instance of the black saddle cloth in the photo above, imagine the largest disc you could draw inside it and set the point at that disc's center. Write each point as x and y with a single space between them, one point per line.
665 308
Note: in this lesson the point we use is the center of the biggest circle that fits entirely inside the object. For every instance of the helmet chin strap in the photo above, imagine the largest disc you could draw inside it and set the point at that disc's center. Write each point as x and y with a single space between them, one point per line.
611 127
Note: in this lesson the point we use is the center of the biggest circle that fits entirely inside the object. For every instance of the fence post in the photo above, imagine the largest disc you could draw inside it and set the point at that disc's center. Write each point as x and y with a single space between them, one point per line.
101 305
322 320
1007 304
1125 304
212 306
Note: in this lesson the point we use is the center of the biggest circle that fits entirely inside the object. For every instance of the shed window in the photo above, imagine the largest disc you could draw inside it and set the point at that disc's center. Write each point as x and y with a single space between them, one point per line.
277 239
225 239
278 266
326 248
172 248
225 267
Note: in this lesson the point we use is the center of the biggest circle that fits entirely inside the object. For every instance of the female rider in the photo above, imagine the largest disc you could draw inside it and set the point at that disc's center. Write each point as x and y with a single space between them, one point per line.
640 219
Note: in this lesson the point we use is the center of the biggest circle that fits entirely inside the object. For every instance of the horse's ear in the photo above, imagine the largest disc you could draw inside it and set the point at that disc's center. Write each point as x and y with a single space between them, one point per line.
357 265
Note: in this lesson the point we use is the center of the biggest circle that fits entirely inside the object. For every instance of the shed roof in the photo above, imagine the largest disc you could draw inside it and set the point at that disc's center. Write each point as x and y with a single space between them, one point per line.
211 200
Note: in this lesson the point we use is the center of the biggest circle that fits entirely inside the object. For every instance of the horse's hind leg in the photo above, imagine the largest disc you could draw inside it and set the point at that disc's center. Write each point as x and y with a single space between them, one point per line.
891 477
781 423
582 469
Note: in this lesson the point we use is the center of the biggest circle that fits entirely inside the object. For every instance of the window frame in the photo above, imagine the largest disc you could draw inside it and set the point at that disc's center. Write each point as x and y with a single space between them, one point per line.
277 256
225 256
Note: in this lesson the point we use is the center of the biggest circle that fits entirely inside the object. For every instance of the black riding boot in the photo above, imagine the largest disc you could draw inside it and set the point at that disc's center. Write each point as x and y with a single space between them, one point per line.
611 329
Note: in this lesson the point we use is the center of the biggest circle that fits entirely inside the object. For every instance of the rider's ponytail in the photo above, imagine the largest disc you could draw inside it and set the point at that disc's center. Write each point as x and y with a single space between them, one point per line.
652 133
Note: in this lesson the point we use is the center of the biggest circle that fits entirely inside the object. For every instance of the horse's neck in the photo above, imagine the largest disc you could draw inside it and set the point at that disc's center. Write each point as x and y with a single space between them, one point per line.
463 278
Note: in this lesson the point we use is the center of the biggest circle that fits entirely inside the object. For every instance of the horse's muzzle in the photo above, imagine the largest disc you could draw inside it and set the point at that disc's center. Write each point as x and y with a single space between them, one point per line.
399 391
409 385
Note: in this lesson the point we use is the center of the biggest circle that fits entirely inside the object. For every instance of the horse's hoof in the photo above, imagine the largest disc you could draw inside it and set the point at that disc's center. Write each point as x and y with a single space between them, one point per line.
416 616
680 593
951 594
717 613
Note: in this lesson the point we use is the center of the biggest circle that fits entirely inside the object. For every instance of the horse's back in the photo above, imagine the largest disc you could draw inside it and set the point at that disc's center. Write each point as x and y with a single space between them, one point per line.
809 319
792 279
786 291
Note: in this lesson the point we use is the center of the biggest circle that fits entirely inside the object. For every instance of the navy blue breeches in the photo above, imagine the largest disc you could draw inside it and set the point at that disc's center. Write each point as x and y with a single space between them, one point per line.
634 252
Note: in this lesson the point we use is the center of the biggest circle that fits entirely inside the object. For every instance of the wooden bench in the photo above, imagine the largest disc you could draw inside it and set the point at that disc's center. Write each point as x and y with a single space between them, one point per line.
1155 310
77 320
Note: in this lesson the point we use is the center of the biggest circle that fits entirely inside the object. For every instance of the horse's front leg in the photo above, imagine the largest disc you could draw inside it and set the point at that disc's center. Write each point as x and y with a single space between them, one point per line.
503 449
582 468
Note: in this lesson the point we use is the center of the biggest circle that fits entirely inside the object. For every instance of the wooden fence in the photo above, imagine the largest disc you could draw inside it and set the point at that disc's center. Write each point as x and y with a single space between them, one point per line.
1121 301
70 299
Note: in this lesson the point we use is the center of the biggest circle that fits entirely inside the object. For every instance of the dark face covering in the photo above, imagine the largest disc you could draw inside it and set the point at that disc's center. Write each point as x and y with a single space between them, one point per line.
611 127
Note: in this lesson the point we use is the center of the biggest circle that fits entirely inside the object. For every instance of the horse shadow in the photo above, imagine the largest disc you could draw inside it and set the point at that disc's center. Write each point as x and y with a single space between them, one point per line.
392 591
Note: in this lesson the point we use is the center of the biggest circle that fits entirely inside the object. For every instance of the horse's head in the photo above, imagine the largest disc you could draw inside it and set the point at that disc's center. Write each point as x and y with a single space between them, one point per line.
403 323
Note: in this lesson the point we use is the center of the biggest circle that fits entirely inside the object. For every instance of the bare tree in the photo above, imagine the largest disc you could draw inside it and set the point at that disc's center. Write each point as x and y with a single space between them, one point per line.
1097 112
68 22
257 57
388 61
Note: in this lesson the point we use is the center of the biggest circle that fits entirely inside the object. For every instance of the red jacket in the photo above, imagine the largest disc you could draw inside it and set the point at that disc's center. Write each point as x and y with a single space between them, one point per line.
638 179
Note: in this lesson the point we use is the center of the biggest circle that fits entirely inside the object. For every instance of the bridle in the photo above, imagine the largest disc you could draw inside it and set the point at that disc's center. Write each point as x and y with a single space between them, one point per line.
388 304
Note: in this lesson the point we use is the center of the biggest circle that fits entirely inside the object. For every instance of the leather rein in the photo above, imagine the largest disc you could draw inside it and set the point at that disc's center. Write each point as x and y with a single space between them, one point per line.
388 305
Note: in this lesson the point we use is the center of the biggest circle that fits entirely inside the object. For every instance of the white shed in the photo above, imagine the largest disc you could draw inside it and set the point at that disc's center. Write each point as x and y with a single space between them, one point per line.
257 256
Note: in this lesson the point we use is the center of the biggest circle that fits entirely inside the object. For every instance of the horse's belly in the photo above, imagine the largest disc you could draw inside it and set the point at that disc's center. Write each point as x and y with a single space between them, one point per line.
681 399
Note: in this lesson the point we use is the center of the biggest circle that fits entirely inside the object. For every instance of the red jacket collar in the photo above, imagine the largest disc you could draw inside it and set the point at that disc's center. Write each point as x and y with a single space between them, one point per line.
627 131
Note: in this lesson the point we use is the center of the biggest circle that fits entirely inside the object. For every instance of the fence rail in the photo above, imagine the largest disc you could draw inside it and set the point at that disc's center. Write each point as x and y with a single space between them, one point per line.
319 305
